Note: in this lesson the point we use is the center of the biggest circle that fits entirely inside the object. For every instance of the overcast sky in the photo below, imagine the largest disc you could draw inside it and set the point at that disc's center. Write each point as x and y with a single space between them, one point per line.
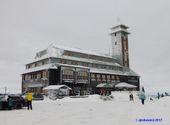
28 26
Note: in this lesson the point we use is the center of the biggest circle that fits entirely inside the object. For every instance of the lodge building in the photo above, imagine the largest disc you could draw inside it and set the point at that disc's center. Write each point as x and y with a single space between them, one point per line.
80 69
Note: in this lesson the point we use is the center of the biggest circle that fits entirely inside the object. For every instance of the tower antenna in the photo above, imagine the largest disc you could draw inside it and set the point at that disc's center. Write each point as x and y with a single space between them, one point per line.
118 20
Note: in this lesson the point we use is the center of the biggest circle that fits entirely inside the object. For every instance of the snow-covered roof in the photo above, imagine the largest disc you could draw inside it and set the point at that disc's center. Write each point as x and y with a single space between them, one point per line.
51 66
57 51
104 85
130 72
118 72
39 68
90 61
76 66
105 71
55 87
119 28
124 84
120 25
81 51
33 85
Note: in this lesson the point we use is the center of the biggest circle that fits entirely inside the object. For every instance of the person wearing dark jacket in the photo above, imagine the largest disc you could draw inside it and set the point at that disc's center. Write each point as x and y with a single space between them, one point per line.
158 95
131 97
10 103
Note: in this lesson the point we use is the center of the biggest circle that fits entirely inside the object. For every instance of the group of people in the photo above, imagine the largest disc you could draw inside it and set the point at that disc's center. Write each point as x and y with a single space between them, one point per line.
142 97
162 95
105 92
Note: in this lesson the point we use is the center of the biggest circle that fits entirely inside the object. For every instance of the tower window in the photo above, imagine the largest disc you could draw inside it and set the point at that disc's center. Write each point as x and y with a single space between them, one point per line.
115 34
115 43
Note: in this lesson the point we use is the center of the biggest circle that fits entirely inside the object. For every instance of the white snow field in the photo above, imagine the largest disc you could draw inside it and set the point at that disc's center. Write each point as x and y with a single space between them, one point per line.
91 111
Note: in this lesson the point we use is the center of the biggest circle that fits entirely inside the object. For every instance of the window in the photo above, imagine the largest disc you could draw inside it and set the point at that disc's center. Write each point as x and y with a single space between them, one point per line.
82 75
92 76
62 61
85 64
32 65
68 72
39 63
28 66
103 76
45 62
27 77
38 75
117 78
113 77
98 77
108 77
44 74
34 76
73 63
94 65
115 43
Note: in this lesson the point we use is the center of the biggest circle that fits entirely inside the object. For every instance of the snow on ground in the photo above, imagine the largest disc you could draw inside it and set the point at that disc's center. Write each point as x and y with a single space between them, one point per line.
90 111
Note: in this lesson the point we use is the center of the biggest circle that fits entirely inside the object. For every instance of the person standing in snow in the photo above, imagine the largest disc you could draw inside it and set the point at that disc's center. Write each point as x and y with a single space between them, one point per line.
10 103
142 97
101 91
131 97
143 90
158 95
162 95
29 99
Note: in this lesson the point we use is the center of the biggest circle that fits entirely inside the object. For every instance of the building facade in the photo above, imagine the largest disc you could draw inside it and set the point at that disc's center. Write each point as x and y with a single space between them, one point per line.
79 69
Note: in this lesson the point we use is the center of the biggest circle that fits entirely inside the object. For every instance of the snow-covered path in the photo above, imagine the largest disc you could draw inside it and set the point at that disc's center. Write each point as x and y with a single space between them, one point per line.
89 111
